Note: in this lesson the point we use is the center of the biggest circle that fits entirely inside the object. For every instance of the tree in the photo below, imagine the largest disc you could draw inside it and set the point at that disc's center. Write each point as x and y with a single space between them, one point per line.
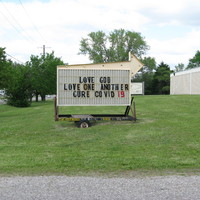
179 67
149 64
14 79
4 69
195 61
21 81
113 47
43 74
146 74
161 82
19 89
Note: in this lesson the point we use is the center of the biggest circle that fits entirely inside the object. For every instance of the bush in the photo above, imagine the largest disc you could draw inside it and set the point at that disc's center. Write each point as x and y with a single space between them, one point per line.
19 90
19 100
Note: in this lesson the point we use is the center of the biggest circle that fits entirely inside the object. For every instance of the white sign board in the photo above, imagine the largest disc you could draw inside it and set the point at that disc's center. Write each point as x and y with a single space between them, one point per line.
93 87
137 88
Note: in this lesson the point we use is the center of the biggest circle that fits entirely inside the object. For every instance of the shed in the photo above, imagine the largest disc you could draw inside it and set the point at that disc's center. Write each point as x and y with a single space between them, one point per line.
185 82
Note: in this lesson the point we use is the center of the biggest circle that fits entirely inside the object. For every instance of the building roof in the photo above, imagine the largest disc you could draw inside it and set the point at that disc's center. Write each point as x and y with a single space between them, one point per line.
193 70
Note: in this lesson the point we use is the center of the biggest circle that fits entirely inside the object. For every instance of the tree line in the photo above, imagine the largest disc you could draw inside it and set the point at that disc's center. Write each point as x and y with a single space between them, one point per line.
37 77
23 81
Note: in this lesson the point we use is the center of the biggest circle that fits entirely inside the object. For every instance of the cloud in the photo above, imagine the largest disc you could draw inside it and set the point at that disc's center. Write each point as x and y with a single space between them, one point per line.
176 50
185 12
171 28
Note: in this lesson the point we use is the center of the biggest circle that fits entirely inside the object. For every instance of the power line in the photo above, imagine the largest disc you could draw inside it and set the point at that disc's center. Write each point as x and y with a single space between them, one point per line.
35 27
13 18
10 22
14 58
19 28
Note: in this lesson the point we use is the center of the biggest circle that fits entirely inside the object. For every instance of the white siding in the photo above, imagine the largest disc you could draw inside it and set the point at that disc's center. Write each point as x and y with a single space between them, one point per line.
187 82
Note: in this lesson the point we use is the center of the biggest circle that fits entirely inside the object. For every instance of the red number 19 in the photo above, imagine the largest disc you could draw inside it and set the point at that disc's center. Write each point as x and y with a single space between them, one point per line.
121 94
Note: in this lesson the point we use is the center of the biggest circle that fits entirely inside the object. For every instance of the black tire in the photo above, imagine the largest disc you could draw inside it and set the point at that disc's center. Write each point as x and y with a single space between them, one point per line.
83 124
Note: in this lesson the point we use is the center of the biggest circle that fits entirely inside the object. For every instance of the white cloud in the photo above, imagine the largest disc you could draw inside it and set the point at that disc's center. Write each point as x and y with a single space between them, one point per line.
176 50
62 24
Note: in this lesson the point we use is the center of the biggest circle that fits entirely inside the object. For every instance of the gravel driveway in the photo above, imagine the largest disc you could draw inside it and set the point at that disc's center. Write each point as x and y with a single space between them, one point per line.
89 188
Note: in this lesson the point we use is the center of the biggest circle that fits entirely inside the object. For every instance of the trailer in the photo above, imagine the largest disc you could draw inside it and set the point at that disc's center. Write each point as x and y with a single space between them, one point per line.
103 84
85 121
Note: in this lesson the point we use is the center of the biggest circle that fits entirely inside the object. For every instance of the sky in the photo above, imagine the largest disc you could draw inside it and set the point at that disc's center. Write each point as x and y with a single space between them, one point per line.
171 28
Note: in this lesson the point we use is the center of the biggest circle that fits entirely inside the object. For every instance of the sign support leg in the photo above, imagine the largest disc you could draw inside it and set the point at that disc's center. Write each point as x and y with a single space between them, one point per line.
128 107
133 110
56 111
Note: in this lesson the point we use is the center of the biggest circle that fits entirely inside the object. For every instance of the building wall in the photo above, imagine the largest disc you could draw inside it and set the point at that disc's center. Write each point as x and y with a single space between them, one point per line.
186 82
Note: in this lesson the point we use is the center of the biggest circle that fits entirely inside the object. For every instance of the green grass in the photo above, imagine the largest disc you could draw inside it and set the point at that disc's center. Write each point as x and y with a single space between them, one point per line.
165 138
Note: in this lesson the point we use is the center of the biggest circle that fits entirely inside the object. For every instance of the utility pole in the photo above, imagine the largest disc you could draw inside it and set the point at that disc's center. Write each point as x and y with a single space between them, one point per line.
44 49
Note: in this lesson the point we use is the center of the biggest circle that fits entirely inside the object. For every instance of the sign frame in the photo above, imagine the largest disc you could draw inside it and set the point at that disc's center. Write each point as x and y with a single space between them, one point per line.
137 88
110 96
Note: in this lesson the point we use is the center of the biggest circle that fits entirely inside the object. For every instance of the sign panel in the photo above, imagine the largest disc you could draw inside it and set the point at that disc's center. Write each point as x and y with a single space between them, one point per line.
137 88
93 87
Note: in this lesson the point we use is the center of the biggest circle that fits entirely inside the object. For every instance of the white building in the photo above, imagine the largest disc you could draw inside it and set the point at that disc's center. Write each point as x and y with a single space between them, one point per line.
185 82
2 92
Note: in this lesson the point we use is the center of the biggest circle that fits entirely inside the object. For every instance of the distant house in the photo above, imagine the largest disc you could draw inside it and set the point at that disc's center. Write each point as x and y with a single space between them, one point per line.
185 82
2 92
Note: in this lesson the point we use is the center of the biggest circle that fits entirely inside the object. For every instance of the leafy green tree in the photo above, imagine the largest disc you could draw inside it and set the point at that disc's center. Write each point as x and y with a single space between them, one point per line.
14 78
161 82
195 61
34 64
179 67
146 74
149 64
113 47
43 74
21 81
4 69
19 89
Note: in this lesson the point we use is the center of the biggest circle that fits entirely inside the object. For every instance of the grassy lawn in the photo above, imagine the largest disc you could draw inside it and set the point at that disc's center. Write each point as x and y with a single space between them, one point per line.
165 138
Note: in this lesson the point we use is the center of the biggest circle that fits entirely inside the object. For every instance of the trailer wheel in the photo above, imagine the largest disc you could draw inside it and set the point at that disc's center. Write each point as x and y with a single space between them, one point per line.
83 124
